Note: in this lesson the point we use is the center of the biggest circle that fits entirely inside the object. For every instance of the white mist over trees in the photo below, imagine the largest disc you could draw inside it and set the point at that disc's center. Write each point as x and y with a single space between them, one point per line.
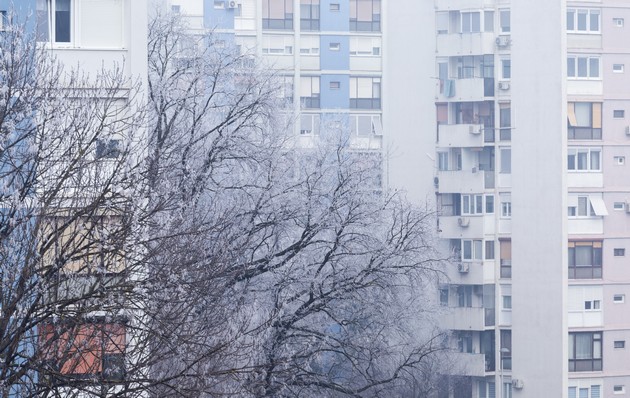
187 247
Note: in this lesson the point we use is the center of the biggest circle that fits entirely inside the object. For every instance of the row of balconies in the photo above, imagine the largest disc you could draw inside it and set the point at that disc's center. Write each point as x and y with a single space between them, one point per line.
471 89
471 43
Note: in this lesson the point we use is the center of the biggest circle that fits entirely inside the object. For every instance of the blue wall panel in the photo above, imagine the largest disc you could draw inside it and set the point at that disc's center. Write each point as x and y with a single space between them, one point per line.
334 59
335 98
220 18
338 21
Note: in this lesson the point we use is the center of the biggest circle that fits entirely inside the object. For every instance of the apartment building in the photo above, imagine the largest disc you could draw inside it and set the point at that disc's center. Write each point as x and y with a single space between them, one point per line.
530 144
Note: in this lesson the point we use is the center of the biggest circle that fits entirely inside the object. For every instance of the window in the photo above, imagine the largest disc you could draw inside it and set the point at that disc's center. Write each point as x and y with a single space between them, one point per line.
507 390
619 252
506 69
583 67
61 28
309 45
618 22
619 298
619 160
176 9
365 46
309 91
489 204
334 46
472 204
620 344
584 159
592 305
585 260
489 250
586 206
583 20
585 351
618 68
219 4
619 113
442 22
108 149
277 14
507 302
506 160
365 93
365 15
309 14
504 16
619 389
471 250
443 161
335 85
505 122
619 206
444 296
584 120
335 7
366 125
471 22
3 20
595 392
309 124
488 21
277 45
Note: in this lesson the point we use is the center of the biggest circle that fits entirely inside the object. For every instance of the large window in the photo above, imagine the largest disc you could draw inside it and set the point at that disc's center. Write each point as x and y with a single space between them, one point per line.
504 16
583 67
61 28
472 250
309 91
585 260
365 15
505 122
584 159
365 92
309 14
471 22
472 204
583 20
584 120
585 351
595 391
277 14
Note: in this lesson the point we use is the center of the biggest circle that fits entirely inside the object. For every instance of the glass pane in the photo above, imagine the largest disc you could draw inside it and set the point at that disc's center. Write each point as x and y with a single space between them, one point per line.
594 21
582 157
571 67
571 20
62 21
583 114
594 67
581 20
582 67
467 250
595 160
583 347
476 22
583 254
505 21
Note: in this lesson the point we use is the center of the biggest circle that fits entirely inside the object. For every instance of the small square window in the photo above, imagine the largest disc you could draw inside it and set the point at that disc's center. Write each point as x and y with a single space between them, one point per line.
335 85
619 298
620 252
588 305
619 205
618 68
619 113
619 389
219 4
620 160
176 9
620 344
334 7
618 22
334 46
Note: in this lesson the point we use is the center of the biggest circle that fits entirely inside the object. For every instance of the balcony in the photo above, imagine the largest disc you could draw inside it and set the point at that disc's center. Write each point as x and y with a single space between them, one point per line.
461 227
465 364
466 44
464 181
460 135
470 273
464 318
463 4
472 89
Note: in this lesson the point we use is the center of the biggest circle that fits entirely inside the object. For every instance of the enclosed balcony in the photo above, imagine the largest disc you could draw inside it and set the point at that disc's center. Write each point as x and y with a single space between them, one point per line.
464 318
464 181
460 226
466 43
472 89
463 4
468 364
460 135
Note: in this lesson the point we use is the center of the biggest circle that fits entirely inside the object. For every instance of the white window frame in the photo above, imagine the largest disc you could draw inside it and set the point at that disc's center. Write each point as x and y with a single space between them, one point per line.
576 155
442 159
469 15
309 45
502 12
619 389
573 67
506 62
618 22
336 46
618 68
507 299
619 298
476 249
376 125
52 22
365 46
277 45
589 12
619 206
471 204
506 209
619 113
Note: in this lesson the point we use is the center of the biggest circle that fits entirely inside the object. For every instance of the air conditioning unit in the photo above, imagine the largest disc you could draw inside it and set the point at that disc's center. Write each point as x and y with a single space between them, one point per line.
517 384
232 4
463 222
504 85
503 41
472 129
463 267
627 130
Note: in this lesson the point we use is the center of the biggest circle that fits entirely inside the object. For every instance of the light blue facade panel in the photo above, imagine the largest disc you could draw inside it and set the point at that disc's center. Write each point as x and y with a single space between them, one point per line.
23 11
333 97
337 21
336 57
220 18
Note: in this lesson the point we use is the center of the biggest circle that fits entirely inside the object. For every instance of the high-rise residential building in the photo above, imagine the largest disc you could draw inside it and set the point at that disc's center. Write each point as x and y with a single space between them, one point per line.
529 138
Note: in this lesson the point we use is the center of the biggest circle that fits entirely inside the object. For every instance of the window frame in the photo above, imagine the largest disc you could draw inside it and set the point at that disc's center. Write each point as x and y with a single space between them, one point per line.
285 23
575 20
373 102
594 270
577 155
586 361
573 67
371 25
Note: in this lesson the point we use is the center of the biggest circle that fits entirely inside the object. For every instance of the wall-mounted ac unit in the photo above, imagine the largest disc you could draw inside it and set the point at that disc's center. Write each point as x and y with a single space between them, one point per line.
463 267
232 4
463 221
472 129
503 41
504 85
517 384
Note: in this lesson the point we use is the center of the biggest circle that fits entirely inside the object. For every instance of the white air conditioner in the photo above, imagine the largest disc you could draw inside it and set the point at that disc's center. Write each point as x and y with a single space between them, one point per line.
503 41
463 267
627 130
232 4
463 222
474 130
504 85
517 384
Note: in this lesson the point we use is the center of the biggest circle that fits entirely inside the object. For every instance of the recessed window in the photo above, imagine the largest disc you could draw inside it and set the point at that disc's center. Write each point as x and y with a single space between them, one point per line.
619 205
620 160
619 252
506 209
335 85
620 344
618 22
334 7
507 302
619 298
618 68
176 9
489 250
334 46
219 4
619 389
592 305
619 113
489 204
